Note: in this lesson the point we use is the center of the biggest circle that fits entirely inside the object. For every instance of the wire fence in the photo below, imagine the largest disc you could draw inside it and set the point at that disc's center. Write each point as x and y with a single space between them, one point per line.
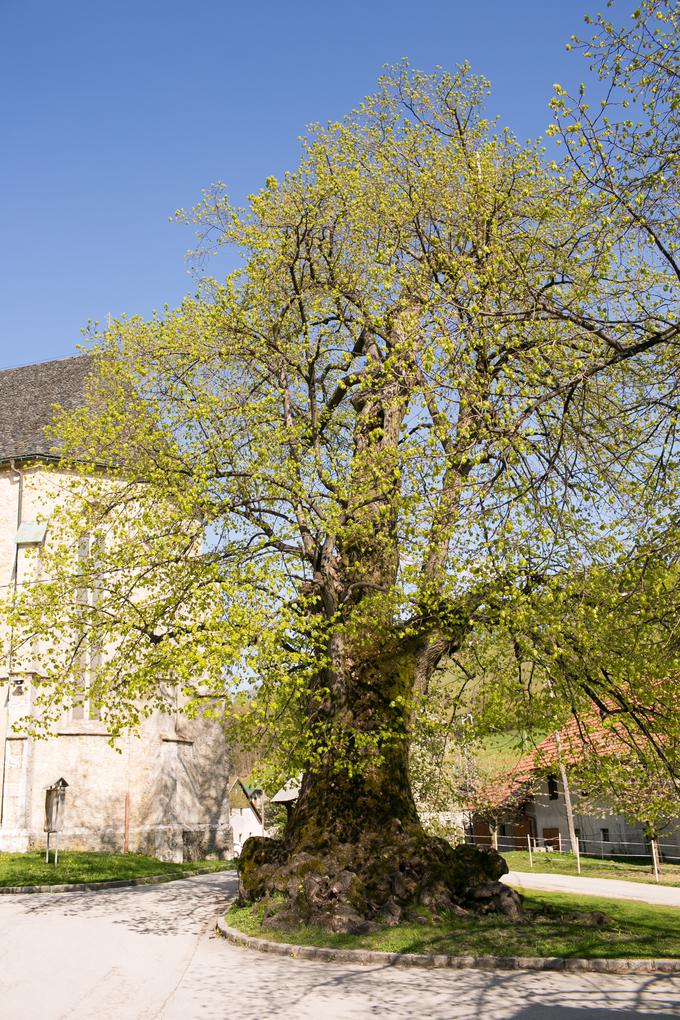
654 852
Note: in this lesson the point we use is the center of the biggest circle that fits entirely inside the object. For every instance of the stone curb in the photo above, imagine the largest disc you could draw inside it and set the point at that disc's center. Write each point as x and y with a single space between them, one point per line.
114 883
373 956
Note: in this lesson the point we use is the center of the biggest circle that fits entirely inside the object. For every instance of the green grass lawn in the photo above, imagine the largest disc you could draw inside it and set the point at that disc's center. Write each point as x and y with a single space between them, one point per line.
631 930
31 869
500 752
592 867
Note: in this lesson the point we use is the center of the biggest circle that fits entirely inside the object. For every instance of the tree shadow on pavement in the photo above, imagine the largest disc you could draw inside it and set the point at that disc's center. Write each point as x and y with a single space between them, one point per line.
183 907
283 988
217 974
553 1012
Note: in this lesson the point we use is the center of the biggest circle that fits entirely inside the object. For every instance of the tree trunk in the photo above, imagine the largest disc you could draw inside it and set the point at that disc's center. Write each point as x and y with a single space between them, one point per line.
571 828
368 726
336 807
355 855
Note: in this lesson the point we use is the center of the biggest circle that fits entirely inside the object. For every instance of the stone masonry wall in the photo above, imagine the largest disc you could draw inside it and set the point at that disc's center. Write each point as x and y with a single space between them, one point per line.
164 792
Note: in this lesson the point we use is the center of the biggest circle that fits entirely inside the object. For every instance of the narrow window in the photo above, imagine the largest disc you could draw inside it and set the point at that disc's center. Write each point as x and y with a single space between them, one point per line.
552 788
87 596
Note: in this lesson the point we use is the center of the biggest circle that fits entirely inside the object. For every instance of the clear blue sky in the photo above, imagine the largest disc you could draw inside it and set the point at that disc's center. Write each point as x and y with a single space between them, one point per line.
114 114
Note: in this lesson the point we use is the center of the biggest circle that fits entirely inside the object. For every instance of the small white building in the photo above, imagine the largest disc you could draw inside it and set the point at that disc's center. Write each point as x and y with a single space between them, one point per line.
529 805
246 813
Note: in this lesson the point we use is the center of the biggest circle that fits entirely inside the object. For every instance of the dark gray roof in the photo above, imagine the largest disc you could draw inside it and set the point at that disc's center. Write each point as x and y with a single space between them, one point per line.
27 396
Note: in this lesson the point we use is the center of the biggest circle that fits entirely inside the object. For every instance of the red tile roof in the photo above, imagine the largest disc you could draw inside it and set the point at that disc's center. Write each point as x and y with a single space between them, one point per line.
578 737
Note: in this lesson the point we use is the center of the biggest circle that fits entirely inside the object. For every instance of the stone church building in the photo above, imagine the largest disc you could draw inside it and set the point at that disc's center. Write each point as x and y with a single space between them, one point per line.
166 792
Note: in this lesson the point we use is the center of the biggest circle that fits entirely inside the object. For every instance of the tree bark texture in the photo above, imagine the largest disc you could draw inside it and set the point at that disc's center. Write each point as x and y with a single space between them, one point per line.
355 856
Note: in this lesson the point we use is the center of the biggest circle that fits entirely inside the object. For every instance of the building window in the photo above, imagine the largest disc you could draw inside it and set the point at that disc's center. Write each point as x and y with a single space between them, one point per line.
31 533
87 595
552 788
604 834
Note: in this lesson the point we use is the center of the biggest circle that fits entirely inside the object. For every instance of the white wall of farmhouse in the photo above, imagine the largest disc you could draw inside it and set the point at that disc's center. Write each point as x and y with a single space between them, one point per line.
599 830
163 792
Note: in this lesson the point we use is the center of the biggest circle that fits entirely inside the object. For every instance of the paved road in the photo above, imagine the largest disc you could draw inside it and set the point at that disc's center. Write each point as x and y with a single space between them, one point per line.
661 895
143 953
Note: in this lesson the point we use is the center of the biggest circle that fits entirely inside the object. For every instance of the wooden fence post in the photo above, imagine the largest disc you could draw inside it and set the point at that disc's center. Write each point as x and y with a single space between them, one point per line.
655 859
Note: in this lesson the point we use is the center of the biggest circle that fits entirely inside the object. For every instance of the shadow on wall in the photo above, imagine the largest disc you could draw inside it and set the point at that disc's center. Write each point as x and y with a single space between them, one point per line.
168 790
203 774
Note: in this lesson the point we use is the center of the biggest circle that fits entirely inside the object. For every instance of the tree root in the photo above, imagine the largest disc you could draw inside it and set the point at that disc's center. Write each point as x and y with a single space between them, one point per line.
387 877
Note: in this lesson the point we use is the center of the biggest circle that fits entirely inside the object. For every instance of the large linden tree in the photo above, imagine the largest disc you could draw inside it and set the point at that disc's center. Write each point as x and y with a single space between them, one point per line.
438 384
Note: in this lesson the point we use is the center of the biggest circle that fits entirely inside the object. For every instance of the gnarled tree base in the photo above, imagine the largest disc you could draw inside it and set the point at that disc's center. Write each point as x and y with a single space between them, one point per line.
385 877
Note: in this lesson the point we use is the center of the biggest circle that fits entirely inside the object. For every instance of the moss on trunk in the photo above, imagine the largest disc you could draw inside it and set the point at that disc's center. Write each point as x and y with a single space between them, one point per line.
384 877
336 807
354 854
355 857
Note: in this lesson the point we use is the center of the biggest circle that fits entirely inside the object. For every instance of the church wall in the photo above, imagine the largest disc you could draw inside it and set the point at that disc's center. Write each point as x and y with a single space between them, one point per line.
173 777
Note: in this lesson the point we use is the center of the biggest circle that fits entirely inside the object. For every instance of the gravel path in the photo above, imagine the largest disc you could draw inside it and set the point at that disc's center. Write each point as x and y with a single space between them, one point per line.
147 952
660 895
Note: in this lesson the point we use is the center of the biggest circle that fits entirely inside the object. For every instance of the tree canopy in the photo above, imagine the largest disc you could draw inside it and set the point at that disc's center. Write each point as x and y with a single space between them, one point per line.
439 395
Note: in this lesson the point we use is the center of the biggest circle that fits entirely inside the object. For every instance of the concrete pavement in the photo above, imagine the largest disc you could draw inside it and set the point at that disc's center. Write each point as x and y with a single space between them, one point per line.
660 895
146 952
